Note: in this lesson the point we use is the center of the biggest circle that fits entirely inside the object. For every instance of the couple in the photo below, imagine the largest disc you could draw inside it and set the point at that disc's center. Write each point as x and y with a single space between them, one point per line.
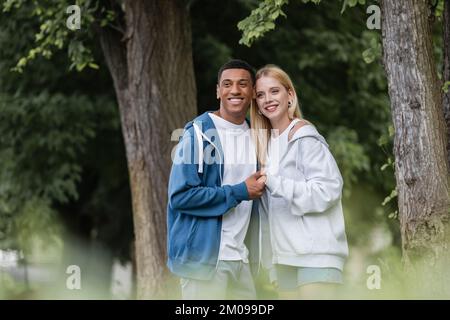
242 199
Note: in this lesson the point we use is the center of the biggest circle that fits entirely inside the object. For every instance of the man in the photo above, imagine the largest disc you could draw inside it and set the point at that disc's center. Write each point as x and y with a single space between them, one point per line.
210 194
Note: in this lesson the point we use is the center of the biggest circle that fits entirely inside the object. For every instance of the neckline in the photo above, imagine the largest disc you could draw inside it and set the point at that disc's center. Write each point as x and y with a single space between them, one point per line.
287 130
222 123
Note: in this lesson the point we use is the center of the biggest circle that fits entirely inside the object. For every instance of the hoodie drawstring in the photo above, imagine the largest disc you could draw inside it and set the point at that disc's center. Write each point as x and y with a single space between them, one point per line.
200 136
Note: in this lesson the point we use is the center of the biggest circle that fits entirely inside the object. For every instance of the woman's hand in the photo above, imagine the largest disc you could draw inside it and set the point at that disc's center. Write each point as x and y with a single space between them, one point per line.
262 179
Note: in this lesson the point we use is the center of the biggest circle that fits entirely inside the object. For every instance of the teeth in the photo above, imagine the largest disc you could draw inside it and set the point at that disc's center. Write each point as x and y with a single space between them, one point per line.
235 101
272 108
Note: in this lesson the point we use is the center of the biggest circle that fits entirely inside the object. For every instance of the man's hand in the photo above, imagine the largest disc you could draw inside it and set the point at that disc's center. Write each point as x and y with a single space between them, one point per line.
255 185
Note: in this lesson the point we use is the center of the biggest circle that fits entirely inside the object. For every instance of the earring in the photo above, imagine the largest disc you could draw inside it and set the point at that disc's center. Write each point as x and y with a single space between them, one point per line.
289 104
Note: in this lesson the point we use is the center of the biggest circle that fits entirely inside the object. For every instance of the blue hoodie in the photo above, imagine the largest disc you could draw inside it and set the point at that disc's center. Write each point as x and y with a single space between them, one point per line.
197 201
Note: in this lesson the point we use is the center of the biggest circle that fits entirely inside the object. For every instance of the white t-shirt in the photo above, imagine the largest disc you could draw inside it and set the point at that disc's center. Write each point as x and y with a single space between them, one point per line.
276 148
239 164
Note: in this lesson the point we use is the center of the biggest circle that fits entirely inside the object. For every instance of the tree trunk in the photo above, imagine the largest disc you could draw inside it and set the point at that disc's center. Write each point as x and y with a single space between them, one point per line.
446 73
153 76
420 134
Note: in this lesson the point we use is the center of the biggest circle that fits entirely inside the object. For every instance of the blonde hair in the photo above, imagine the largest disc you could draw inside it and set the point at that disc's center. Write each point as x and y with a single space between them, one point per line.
260 124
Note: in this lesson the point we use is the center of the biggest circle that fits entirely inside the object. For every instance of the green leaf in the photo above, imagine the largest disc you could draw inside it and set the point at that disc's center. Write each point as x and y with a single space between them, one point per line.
393 215
446 86
260 20
391 130
93 65
390 197
368 55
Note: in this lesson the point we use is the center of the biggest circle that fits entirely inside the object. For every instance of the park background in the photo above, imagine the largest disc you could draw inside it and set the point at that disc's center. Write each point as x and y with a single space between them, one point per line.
65 198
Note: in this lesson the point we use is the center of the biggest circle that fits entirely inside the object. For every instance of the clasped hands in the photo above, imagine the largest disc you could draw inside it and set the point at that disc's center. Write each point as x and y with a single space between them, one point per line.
256 184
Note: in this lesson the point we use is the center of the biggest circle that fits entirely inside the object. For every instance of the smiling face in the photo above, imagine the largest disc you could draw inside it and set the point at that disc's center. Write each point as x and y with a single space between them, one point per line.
272 98
235 91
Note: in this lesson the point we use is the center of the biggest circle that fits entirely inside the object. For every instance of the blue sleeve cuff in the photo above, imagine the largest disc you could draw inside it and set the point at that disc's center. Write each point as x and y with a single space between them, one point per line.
240 191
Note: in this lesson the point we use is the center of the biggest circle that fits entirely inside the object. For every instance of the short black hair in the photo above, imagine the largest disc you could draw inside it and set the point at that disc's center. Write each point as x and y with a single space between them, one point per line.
237 64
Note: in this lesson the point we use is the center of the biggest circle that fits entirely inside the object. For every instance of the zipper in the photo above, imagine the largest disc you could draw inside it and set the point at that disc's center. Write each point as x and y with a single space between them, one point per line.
221 180
269 218
259 238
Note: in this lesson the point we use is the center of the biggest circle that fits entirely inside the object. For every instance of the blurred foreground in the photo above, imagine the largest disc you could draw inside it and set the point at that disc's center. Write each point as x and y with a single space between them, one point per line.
71 269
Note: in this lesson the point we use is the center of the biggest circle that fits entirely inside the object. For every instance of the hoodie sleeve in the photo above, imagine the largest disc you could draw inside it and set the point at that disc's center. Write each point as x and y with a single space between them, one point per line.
322 185
189 196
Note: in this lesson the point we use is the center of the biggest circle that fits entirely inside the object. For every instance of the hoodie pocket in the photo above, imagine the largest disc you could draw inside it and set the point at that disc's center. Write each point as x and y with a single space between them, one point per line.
192 233
288 230
278 204
318 226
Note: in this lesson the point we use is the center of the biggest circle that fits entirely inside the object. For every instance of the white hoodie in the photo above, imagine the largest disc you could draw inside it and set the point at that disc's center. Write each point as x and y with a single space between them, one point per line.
303 205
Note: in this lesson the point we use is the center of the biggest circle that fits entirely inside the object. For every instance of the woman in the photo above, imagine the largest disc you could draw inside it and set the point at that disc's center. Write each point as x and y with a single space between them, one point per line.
302 201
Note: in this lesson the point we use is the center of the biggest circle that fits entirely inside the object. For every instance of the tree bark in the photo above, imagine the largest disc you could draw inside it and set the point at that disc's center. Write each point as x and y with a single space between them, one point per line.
446 73
153 76
420 134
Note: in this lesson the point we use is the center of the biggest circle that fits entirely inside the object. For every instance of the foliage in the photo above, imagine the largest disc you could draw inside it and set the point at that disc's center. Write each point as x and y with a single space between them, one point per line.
60 146
262 19
350 155
374 50
39 150
53 34
351 3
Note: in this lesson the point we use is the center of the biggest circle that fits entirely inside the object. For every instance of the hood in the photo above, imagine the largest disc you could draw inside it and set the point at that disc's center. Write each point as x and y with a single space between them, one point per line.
203 120
201 126
308 131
